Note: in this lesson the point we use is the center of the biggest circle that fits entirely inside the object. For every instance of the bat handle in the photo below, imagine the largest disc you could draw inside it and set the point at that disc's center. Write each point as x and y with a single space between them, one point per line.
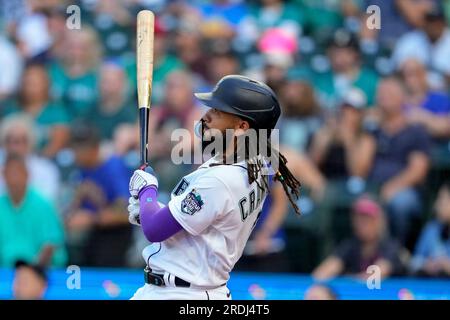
143 124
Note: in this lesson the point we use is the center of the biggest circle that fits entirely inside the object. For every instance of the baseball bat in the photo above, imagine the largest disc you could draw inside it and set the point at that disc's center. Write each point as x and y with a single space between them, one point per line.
144 64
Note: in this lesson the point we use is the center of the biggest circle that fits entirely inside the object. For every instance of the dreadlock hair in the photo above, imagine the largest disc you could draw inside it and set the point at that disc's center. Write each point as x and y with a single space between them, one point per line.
255 166
290 184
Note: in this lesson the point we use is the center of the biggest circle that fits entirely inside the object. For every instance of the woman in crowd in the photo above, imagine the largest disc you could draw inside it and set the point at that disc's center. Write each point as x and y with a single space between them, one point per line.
50 118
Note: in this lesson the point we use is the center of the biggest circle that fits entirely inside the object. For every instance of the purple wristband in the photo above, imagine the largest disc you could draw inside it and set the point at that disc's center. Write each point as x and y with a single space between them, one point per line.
158 224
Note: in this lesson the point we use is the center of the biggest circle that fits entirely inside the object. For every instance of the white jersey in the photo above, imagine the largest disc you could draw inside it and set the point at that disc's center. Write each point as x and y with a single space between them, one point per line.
217 208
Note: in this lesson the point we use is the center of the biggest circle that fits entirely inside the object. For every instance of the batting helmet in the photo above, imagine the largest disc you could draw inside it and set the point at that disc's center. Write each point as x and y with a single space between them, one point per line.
252 100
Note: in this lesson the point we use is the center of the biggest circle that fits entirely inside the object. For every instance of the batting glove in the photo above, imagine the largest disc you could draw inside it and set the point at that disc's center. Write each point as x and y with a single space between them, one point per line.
140 180
133 211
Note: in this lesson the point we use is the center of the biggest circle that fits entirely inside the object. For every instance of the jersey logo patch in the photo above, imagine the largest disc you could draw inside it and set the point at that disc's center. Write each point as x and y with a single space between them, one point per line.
192 203
181 187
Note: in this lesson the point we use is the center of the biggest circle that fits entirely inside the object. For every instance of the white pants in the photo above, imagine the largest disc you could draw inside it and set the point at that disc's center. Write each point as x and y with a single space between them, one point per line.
152 292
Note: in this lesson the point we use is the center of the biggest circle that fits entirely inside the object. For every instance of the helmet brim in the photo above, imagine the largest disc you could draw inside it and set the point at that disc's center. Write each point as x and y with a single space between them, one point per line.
210 101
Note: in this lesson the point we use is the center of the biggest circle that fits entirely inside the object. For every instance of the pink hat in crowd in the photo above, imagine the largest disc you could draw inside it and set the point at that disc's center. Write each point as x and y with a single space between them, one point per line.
278 46
367 206
278 40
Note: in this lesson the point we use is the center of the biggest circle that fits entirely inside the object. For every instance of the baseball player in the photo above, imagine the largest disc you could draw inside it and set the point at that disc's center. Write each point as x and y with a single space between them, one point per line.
199 236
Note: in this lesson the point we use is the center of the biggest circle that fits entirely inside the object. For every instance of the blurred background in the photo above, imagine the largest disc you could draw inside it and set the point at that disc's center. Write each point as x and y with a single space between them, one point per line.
365 127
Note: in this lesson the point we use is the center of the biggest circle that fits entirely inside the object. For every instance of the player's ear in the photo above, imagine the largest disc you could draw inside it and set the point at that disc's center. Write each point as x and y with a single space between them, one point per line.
241 127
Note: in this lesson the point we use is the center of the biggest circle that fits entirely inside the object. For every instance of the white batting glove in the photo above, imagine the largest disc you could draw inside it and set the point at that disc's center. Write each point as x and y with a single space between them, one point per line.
133 211
140 180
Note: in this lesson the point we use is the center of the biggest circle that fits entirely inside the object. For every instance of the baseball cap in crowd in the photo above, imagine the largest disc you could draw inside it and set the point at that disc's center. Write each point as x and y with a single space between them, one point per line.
278 47
366 205
342 38
84 133
436 13
37 269
355 98
159 28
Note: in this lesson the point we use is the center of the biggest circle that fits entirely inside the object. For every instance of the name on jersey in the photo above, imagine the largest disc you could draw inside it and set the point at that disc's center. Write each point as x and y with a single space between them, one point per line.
192 203
250 203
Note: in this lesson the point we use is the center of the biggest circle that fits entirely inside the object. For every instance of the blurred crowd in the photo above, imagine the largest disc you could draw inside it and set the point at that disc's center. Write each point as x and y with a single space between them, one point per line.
365 127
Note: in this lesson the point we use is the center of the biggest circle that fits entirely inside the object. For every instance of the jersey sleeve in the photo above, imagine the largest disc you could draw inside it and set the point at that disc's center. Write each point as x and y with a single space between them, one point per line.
205 199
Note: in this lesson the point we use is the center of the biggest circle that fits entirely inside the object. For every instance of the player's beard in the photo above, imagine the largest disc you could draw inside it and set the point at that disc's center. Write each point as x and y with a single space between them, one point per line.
200 129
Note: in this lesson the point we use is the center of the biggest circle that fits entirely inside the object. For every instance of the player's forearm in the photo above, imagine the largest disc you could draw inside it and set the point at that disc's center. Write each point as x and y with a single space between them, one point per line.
158 224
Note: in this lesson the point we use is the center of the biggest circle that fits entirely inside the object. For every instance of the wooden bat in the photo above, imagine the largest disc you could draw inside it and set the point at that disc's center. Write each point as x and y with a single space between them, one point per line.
144 63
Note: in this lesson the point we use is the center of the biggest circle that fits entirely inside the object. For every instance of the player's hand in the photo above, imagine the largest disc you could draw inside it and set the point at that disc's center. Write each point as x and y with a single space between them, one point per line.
140 180
133 211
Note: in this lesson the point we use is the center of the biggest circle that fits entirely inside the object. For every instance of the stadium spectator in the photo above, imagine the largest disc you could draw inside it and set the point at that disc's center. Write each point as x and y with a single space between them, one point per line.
276 13
306 171
337 148
425 106
279 53
73 76
56 25
11 66
114 22
164 62
221 64
29 223
189 45
178 110
398 18
97 221
322 17
430 45
347 71
220 18
115 105
51 119
432 253
320 292
300 114
17 137
398 159
31 33
369 246
30 281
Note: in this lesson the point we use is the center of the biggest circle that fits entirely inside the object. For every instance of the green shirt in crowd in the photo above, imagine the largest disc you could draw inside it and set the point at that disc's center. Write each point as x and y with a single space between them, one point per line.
107 123
266 19
331 88
51 115
26 229
77 94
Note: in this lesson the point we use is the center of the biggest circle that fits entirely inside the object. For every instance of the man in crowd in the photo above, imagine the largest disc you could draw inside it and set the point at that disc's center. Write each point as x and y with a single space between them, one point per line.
398 158
29 224
369 246
97 222
30 281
